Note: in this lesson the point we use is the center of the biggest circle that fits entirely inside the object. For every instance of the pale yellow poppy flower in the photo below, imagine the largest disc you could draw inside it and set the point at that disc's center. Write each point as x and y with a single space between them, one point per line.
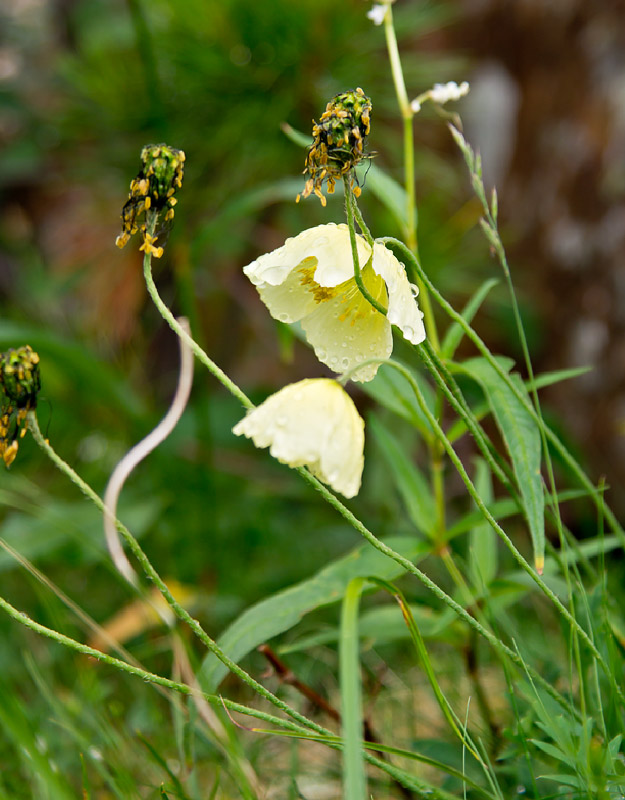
311 279
313 423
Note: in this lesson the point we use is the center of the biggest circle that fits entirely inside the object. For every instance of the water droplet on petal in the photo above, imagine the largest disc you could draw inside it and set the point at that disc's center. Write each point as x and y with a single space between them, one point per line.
321 353
345 363
333 361
283 317
408 332
415 290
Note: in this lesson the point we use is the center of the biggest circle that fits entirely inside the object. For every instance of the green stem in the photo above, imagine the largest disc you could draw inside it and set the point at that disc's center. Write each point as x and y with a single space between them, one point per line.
568 459
496 643
409 168
500 531
361 222
349 210
167 315
149 677
153 575
303 731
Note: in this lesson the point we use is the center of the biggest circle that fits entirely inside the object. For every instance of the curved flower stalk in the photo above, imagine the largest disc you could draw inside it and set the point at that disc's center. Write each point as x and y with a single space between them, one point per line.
139 452
313 423
311 279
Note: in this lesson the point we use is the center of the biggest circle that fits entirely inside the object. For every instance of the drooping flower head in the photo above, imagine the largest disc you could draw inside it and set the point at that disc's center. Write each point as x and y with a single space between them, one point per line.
152 191
338 142
311 279
313 424
21 383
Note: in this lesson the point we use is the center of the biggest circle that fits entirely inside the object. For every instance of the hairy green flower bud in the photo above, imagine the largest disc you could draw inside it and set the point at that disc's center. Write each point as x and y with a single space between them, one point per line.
21 383
338 142
152 192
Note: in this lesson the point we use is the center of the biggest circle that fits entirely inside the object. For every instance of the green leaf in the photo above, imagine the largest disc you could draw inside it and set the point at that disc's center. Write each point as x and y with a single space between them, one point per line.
548 378
482 538
283 610
384 624
410 482
354 778
391 389
522 439
454 333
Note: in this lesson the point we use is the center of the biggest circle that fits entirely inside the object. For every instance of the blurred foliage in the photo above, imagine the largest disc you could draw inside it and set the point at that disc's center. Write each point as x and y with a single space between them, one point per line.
83 86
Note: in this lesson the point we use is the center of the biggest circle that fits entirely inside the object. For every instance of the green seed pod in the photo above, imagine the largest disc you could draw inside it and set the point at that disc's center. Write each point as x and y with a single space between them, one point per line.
339 140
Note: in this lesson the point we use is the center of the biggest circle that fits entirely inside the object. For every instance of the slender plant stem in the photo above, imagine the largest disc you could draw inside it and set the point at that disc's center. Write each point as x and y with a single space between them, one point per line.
349 210
149 677
483 349
303 731
407 115
173 323
153 575
503 535
496 643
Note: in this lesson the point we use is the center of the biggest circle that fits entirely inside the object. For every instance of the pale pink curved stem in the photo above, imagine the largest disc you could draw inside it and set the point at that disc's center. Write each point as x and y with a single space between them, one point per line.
139 452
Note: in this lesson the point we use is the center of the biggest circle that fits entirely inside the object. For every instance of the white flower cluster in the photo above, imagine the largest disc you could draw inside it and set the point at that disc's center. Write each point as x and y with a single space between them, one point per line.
377 13
441 93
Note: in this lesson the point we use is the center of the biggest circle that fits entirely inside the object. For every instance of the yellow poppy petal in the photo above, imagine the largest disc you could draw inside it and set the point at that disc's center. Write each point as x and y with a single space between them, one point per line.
328 244
313 423
347 329
403 310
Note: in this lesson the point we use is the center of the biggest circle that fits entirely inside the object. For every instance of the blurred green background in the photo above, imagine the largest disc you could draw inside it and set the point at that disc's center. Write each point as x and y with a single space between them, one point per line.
83 86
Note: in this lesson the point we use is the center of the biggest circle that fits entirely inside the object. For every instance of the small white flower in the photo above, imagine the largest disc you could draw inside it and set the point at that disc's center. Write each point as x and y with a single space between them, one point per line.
377 13
314 424
311 278
445 92
415 106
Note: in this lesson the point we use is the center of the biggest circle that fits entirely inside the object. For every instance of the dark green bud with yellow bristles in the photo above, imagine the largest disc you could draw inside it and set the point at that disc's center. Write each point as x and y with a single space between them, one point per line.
339 140
21 383
152 193
19 376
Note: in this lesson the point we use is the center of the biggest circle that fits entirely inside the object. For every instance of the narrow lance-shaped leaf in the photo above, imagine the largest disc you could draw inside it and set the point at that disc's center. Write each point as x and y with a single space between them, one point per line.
283 610
354 777
483 539
410 482
522 439
454 333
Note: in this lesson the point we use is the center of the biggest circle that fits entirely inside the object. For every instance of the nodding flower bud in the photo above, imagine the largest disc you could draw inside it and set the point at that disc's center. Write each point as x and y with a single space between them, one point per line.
20 380
152 193
338 142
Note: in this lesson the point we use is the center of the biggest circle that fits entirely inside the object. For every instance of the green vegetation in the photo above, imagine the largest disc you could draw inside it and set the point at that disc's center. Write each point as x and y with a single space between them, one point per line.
472 645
